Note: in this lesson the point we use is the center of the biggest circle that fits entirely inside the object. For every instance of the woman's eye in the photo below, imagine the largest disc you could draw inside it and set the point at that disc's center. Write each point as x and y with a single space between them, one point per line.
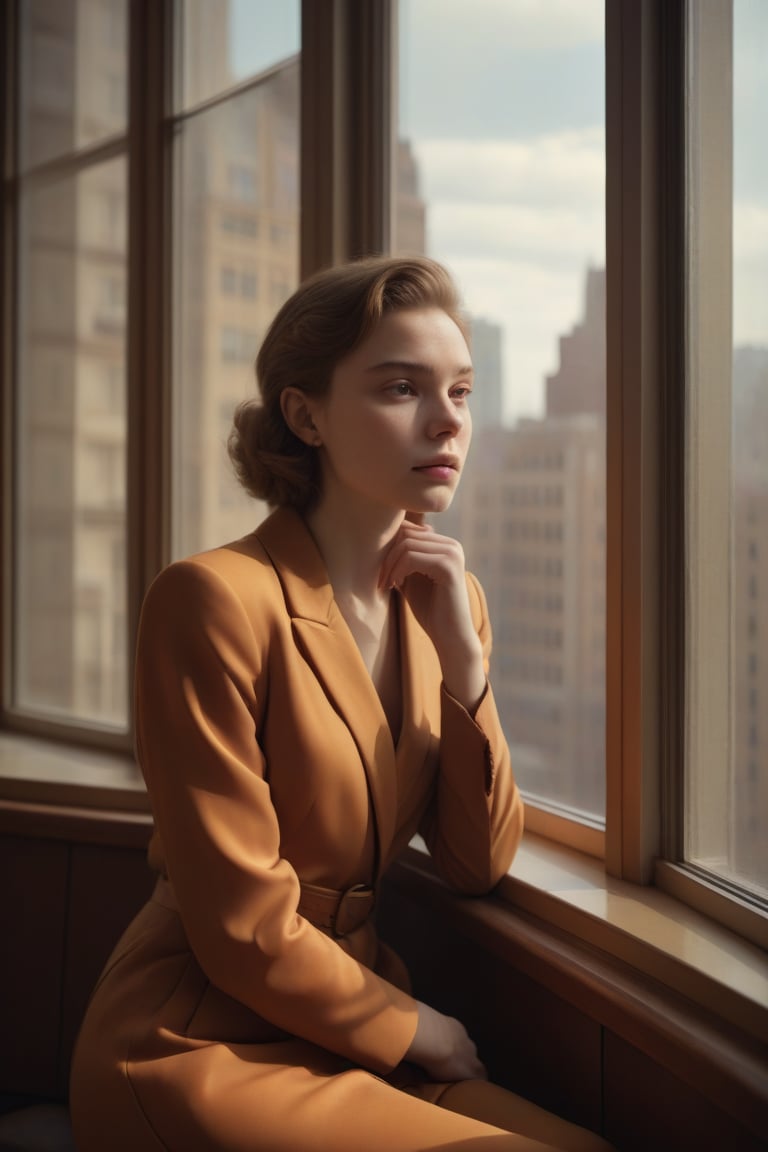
462 392
401 388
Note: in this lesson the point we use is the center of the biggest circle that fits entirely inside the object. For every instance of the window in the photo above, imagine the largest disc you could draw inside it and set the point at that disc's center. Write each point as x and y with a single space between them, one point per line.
69 500
79 238
501 176
239 225
243 185
726 778
224 151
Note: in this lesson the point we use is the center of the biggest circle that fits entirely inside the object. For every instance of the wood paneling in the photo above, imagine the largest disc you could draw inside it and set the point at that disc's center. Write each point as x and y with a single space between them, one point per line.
647 1108
63 908
107 888
32 932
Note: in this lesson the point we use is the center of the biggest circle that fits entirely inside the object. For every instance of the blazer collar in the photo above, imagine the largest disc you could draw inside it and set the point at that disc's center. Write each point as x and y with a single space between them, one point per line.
299 566
327 644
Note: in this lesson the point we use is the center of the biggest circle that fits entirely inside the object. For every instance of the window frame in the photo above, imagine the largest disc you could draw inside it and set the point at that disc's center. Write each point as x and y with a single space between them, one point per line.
634 374
348 87
148 311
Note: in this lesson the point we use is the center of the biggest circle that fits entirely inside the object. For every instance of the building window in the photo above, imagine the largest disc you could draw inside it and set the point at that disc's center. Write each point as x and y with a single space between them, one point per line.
239 345
249 285
242 183
239 225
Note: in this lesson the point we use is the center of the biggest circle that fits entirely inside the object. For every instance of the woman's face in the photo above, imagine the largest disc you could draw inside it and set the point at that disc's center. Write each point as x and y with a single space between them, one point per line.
395 425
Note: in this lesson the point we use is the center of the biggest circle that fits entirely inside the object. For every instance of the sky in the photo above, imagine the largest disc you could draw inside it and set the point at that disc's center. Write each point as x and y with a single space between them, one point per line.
503 103
750 177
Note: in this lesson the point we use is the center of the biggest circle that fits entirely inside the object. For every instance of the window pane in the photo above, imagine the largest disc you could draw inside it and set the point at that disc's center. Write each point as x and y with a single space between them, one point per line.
70 594
236 258
727 777
501 176
74 75
220 43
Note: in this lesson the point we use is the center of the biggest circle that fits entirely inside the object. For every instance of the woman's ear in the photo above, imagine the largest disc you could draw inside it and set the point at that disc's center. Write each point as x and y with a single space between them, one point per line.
297 414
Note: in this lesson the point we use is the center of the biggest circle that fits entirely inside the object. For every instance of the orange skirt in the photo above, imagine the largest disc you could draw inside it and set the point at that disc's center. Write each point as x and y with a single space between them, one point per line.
166 1061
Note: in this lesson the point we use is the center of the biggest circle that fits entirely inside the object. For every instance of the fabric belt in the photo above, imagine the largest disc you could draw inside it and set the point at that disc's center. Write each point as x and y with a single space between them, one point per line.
340 912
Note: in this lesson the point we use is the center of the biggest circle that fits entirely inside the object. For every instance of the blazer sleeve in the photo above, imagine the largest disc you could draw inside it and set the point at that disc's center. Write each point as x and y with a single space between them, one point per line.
200 690
474 822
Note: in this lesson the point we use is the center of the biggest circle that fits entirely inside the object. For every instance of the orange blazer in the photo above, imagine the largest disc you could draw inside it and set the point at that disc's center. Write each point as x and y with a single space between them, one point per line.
270 764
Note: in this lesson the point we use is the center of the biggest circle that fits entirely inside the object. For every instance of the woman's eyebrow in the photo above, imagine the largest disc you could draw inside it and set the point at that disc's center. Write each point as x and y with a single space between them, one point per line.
415 366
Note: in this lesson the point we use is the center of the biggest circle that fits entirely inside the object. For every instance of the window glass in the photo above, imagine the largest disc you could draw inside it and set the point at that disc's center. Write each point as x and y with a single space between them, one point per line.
501 176
70 512
236 258
727 763
74 76
220 43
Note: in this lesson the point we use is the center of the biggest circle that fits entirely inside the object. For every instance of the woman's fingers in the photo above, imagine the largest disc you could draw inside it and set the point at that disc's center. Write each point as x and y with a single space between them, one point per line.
420 549
443 1048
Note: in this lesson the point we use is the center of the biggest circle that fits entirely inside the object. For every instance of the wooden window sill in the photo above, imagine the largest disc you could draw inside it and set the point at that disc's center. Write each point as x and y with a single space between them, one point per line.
42 772
647 929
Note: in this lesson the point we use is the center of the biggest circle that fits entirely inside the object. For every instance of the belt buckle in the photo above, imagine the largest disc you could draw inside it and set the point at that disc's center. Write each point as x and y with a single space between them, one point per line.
351 904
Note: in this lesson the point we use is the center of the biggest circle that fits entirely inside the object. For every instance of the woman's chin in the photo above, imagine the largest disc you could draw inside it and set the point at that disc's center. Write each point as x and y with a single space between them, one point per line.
427 506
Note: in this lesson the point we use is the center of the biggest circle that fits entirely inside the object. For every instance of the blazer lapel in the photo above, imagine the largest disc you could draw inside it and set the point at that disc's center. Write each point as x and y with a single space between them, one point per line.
326 642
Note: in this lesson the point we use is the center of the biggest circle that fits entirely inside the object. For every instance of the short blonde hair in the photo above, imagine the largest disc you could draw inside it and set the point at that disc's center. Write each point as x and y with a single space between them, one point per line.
327 316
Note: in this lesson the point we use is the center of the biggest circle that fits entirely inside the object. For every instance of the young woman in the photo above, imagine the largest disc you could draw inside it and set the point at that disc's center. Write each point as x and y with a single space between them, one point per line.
307 699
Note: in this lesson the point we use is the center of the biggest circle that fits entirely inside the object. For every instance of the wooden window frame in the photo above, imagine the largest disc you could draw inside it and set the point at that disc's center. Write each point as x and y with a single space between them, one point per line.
148 398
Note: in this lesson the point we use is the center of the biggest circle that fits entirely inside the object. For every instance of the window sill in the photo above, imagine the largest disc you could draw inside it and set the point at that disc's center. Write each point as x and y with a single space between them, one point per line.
656 935
38 772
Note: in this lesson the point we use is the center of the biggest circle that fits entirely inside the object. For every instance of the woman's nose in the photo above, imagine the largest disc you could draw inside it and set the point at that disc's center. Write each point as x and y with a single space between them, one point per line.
445 420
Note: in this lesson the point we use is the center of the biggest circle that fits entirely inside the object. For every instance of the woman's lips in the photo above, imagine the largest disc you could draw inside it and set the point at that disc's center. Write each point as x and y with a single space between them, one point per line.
437 471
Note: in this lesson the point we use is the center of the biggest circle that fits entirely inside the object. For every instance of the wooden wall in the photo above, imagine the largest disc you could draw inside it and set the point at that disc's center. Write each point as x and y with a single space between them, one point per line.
64 904
547 1023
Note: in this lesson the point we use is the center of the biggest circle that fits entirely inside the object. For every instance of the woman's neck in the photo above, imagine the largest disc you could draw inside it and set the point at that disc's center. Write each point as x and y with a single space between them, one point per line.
353 541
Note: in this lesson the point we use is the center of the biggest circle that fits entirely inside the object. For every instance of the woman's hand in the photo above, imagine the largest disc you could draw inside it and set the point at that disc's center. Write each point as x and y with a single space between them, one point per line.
429 568
443 1049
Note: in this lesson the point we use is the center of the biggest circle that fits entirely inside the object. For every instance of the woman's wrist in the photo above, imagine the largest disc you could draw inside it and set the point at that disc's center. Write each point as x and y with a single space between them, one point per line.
464 676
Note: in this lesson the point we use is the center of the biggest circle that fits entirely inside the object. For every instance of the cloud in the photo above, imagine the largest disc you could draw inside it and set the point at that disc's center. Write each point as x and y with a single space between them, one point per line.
750 272
567 167
525 25
750 232
551 236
